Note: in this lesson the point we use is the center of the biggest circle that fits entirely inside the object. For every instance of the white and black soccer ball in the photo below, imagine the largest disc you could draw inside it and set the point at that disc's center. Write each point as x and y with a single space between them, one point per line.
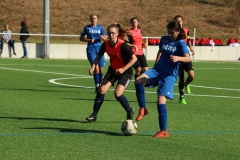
129 127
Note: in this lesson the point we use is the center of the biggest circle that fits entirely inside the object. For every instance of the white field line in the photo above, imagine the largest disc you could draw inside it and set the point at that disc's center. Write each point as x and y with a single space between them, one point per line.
45 65
84 76
63 84
25 70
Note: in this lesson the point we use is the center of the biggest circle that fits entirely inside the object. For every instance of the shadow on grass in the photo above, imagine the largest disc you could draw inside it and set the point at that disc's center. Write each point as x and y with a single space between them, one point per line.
43 119
35 90
55 119
78 131
92 100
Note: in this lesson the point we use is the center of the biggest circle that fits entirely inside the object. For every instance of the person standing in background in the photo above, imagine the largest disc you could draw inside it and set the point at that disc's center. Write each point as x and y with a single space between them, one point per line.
94 34
6 38
23 38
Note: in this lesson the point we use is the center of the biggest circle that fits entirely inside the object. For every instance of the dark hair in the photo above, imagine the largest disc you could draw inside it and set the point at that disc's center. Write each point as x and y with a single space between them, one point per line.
178 16
135 18
175 25
23 24
93 15
122 32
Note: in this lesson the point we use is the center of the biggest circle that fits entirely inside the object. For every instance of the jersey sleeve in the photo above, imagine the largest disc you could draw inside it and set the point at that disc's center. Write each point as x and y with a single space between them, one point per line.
130 39
84 31
126 50
183 48
102 49
102 31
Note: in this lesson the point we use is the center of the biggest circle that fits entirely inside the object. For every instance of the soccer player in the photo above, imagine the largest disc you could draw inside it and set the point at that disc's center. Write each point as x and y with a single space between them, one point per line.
164 74
121 60
136 43
187 67
94 34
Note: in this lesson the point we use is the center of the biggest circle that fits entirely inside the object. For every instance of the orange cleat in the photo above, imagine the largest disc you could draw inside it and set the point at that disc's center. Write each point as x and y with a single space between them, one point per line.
161 134
141 114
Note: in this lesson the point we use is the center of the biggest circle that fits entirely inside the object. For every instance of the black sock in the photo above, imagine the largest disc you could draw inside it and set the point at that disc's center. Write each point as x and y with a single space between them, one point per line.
97 103
123 100
181 90
188 81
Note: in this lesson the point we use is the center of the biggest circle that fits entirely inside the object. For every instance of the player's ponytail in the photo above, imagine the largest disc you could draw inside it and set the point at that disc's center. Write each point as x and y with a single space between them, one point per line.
122 32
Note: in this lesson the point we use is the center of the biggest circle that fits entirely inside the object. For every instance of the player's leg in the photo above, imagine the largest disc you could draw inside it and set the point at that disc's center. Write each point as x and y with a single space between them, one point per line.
165 90
189 69
91 55
102 64
106 84
181 85
123 82
140 67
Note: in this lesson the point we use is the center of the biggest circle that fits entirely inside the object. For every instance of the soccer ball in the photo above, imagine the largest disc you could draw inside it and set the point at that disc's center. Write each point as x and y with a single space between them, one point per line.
129 127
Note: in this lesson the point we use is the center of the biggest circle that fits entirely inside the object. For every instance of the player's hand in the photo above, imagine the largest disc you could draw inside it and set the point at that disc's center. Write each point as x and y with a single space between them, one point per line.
174 58
193 52
119 71
91 70
136 48
92 40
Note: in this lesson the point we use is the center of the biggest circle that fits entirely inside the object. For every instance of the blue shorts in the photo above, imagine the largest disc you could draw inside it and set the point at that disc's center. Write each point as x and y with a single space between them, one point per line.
165 85
92 54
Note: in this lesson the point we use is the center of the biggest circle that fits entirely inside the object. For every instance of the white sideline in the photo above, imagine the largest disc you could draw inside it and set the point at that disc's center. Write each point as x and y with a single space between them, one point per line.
85 76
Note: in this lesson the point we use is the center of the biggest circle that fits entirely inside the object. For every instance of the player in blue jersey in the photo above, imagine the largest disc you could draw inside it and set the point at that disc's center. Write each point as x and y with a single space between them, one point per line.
164 74
93 34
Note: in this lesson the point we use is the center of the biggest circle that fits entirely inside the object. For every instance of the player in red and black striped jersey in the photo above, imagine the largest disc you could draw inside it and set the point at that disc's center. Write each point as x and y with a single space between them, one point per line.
121 60
187 67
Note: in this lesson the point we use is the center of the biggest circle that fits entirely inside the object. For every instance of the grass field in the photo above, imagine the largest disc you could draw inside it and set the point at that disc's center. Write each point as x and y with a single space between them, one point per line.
44 104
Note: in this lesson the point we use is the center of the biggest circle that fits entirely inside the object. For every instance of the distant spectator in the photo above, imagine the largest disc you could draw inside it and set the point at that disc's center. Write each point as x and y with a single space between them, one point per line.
6 38
23 38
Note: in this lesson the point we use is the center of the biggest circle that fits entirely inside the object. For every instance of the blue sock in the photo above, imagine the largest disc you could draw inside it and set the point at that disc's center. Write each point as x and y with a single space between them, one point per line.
140 93
100 78
123 100
162 116
96 79
97 103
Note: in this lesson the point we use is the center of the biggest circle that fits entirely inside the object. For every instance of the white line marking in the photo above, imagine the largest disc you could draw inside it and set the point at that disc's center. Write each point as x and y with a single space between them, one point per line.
63 84
84 76
230 89
25 70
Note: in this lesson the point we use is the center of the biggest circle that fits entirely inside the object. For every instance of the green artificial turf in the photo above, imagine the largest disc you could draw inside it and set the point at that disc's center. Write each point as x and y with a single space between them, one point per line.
44 103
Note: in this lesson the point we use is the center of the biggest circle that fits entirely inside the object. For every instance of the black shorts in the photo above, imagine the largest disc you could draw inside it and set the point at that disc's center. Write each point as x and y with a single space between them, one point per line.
186 66
141 62
123 79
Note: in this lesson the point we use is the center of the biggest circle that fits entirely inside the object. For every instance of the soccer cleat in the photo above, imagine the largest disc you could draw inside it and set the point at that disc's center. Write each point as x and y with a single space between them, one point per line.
91 118
130 115
161 134
182 101
142 112
187 88
14 53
